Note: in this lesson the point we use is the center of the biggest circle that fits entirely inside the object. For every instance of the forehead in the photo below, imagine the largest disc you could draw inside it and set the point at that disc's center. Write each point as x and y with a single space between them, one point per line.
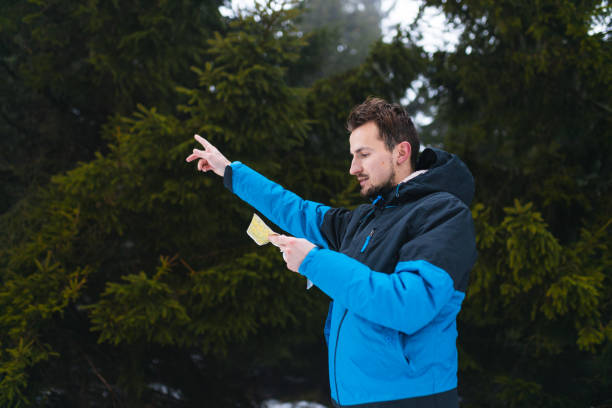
366 136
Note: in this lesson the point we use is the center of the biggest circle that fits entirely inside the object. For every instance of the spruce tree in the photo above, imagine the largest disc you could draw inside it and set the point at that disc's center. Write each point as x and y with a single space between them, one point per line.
130 279
524 99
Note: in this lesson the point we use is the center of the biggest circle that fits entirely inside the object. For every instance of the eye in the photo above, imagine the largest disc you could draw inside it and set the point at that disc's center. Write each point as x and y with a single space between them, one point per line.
364 155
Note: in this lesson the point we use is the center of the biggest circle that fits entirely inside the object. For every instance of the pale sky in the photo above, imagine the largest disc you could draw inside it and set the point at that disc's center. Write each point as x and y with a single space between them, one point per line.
437 35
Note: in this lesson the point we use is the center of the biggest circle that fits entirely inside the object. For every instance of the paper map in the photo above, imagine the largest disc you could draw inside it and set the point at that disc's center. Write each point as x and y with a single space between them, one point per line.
259 231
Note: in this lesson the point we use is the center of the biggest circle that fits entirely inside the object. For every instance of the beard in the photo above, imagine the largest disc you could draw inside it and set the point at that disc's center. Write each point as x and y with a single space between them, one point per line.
374 191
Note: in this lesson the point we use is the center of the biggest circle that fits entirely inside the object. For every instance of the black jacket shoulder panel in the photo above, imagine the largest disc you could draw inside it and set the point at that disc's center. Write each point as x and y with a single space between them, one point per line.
443 234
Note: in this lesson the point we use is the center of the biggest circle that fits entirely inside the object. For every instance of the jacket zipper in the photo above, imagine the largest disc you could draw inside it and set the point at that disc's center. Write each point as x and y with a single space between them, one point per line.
367 241
336 355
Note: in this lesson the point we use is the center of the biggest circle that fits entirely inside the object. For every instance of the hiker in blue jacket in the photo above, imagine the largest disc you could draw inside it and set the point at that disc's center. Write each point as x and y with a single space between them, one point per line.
396 269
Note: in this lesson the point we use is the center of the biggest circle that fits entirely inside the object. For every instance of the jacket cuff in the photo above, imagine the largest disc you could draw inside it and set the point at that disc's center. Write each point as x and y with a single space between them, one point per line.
303 269
227 176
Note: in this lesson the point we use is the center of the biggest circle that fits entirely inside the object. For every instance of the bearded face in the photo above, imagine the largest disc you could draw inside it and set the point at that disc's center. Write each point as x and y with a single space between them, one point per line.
372 162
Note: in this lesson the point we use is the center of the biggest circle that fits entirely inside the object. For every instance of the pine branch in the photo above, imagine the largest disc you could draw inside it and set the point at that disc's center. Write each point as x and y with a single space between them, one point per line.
101 378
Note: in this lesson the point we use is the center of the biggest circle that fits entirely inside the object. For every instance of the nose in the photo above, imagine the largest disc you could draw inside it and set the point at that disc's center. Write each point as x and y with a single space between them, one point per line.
355 168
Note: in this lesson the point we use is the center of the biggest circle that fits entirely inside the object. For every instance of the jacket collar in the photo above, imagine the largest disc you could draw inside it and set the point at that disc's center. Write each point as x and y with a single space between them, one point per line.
436 171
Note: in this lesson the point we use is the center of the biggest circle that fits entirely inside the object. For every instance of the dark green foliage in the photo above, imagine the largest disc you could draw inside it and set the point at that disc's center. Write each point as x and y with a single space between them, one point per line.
127 279
149 258
67 66
526 101
243 100
533 303
529 90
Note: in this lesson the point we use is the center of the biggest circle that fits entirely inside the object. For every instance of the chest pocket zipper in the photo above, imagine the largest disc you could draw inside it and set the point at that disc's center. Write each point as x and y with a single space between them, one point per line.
367 241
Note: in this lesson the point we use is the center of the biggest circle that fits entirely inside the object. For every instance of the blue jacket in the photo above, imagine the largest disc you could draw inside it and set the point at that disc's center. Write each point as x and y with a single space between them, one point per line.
396 271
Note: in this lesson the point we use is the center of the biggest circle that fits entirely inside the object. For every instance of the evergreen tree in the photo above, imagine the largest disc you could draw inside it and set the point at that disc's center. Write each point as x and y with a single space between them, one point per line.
129 279
525 100
68 66
340 35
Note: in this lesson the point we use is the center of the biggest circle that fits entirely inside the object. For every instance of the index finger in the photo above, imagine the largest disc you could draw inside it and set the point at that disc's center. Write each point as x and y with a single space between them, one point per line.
202 141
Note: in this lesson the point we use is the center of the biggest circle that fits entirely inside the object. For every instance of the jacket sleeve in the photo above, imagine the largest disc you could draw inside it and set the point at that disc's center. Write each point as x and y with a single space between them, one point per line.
410 297
299 217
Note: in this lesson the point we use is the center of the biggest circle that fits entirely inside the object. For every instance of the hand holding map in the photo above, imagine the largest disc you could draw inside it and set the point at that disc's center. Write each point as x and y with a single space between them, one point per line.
260 233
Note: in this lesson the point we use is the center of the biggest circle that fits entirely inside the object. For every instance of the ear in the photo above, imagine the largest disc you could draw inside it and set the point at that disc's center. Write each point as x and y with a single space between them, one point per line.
403 151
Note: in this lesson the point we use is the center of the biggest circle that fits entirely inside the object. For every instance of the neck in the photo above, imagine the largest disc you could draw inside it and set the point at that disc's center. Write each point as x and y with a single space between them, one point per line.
401 174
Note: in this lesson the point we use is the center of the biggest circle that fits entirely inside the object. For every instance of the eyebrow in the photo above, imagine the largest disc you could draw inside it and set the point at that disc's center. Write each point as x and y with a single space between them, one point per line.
361 149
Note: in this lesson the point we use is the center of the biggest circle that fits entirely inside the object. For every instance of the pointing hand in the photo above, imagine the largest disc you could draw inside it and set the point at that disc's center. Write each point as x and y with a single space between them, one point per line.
210 158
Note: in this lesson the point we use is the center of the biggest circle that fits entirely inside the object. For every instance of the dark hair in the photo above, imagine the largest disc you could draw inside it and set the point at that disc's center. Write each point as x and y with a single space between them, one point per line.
394 124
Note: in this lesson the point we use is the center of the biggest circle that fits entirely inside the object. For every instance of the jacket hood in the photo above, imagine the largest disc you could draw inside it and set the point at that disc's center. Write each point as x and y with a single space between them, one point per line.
445 173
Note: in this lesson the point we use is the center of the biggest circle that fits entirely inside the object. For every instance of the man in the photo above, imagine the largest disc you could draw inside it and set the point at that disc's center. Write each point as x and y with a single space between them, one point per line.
396 269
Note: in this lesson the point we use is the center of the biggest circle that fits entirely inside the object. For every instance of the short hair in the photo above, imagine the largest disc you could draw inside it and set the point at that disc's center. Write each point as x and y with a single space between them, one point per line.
394 124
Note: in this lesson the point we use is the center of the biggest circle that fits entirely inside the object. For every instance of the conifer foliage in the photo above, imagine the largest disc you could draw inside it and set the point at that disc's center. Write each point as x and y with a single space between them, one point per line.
525 100
131 273
127 279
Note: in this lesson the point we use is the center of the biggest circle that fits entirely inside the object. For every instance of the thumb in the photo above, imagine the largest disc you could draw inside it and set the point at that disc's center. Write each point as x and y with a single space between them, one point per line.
276 239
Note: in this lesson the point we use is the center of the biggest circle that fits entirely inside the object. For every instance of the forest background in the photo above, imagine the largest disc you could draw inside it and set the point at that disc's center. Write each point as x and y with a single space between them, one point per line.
126 277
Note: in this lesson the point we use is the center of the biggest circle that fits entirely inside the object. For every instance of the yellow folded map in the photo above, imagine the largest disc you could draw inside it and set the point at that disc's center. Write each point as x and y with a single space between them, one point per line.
259 231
